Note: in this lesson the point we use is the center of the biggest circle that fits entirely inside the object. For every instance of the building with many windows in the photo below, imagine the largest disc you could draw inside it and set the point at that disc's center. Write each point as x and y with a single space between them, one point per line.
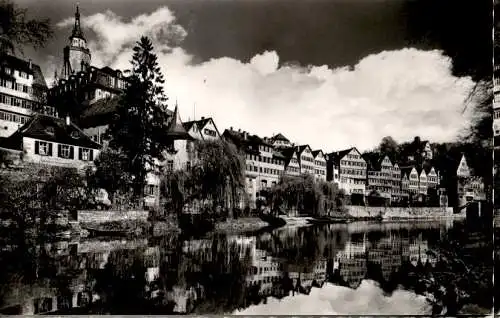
22 93
379 175
264 165
280 141
469 187
183 152
352 170
291 161
306 159
319 165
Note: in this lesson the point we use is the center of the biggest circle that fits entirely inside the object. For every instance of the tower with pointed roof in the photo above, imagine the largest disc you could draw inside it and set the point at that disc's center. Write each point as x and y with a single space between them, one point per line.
76 54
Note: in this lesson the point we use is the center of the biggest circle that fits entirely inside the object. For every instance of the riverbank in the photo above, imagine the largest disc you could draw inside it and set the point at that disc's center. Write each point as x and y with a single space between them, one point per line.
248 224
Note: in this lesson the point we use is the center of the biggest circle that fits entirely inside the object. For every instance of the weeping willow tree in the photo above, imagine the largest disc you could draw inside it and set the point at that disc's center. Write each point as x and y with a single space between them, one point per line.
304 194
216 177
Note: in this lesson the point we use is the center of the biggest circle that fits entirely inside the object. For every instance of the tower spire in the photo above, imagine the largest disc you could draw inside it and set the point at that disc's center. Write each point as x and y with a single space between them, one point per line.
77 30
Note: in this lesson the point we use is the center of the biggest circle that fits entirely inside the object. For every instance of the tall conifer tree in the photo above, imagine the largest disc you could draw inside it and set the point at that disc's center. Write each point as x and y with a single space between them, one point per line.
140 124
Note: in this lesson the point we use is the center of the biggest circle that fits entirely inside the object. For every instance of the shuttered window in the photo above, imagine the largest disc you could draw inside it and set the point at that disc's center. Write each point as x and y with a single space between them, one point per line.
85 154
43 148
65 151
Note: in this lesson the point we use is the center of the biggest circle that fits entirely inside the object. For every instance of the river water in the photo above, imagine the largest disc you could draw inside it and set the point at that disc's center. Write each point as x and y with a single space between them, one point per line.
359 268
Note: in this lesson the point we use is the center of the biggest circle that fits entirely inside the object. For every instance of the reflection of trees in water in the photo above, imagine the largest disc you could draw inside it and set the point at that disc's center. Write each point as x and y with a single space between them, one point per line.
213 275
306 244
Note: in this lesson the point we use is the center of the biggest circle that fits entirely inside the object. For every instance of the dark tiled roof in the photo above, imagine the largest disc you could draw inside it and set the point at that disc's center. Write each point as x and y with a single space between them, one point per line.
373 160
99 113
288 154
341 154
279 136
406 171
199 123
38 128
315 153
176 129
249 145
302 148
188 125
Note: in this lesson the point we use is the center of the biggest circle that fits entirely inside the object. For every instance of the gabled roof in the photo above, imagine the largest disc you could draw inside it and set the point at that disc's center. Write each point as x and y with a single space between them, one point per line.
315 153
300 149
38 128
200 124
342 153
405 171
336 156
288 154
279 136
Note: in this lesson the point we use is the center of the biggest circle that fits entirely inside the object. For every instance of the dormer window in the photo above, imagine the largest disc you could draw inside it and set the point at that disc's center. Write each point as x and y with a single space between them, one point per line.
75 135
50 130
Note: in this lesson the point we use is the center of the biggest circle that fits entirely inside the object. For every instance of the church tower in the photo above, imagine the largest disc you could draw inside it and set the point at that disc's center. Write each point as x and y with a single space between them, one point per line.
76 54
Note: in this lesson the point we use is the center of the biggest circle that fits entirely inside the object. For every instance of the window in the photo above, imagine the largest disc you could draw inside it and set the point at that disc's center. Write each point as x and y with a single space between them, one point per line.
150 189
50 130
75 135
65 151
209 132
188 165
43 148
85 154
170 165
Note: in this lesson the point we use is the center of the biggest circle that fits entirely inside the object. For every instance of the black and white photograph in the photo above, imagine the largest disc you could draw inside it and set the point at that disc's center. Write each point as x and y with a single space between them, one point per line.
250 157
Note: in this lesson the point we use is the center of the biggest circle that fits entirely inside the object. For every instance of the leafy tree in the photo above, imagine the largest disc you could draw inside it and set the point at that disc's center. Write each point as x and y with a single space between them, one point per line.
305 194
19 196
64 188
388 146
109 174
17 31
217 176
139 127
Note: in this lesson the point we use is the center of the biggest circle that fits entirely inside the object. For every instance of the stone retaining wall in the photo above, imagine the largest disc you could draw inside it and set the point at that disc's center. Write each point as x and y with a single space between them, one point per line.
397 212
99 216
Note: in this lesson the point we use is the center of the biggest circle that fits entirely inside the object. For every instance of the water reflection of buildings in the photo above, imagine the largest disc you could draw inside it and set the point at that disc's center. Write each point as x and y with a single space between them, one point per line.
179 271
387 254
64 282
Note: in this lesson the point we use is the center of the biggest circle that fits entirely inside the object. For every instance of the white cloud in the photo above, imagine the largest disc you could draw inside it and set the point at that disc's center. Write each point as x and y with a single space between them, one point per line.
400 93
367 299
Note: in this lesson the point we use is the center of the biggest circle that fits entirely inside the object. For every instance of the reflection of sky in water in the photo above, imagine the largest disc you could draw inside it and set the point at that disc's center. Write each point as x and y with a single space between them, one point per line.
367 299
324 268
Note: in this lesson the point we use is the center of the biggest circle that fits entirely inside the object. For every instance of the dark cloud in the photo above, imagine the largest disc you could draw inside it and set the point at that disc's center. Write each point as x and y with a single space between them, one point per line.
331 32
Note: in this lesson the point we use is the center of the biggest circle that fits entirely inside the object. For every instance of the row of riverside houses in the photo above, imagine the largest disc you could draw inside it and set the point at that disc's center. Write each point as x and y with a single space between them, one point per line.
32 130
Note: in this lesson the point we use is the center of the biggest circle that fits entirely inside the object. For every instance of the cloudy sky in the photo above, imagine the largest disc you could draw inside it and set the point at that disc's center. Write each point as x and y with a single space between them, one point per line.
330 73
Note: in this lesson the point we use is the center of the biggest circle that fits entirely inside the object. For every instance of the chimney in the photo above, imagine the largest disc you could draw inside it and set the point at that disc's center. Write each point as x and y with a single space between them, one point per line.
245 135
202 117
68 121
231 128
239 130
30 64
